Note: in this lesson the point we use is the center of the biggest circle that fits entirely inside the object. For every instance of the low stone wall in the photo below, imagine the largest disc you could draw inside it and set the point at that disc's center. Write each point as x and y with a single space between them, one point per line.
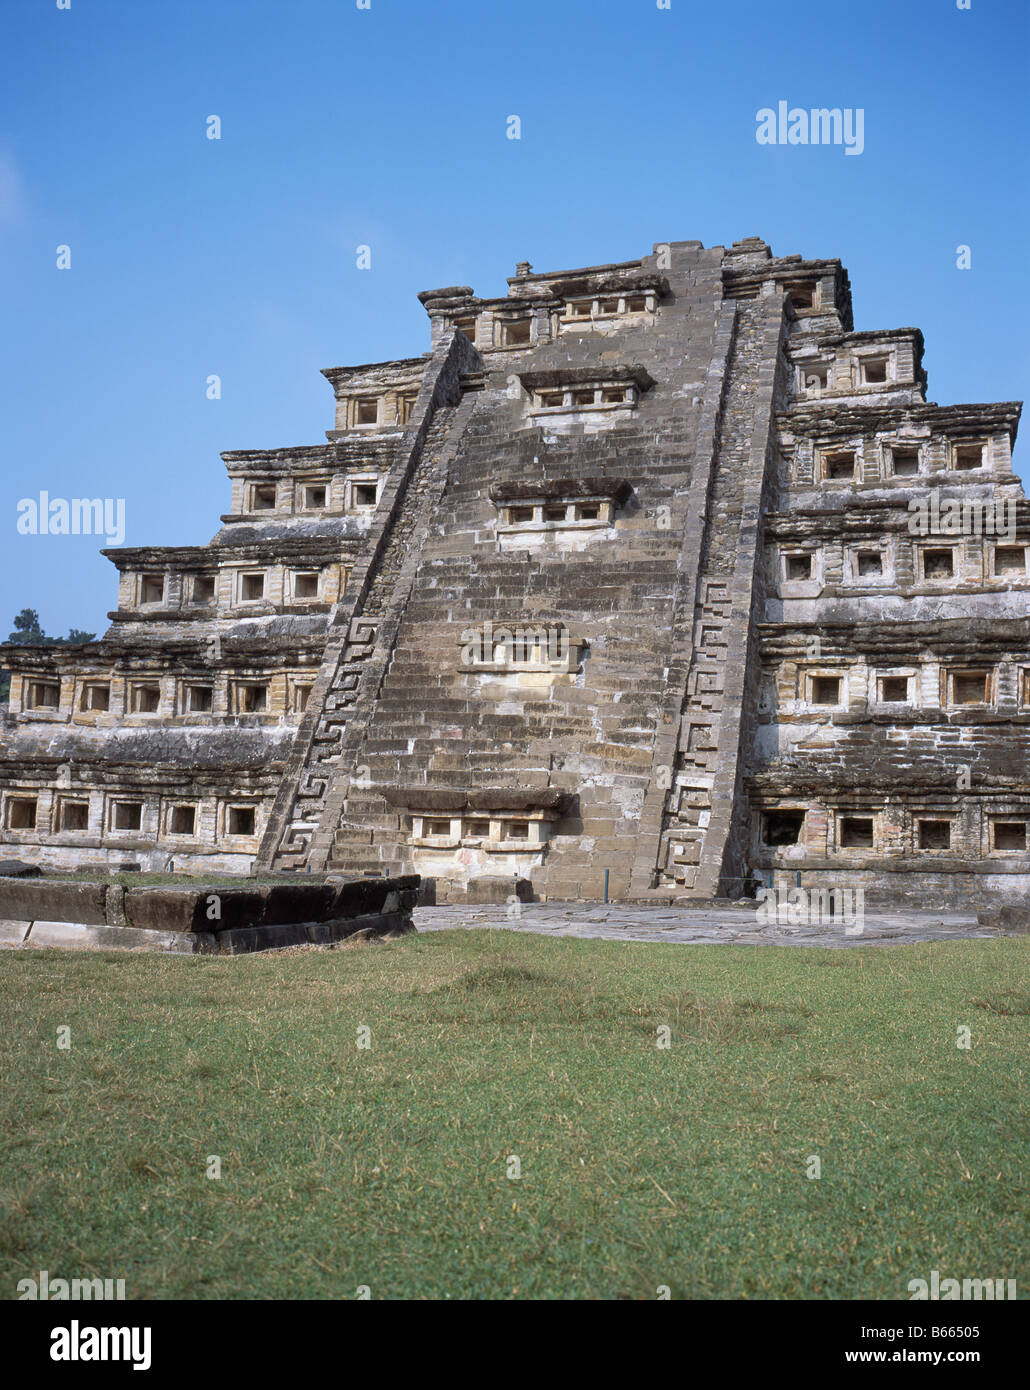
964 886
199 919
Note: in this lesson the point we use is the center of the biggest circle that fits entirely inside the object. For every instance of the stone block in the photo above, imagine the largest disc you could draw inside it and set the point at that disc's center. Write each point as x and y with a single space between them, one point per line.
361 896
242 940
1010 918
239 907
58 900
299 902
166 909
78 935
486 889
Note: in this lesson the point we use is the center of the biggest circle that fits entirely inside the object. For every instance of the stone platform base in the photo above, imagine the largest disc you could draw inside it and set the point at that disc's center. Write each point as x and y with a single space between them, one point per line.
180 921
717 924
238 941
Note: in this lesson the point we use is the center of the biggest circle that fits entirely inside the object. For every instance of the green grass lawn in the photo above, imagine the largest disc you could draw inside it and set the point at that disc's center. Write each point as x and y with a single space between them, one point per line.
640 1166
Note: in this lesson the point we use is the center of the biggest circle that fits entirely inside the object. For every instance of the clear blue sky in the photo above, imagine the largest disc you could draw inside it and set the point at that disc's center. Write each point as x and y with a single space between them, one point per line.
386 127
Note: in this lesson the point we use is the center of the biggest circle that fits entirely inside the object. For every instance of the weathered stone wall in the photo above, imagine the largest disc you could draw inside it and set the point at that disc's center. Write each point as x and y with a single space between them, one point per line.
893 715
619 586
199 920
186 712
363 627
587 732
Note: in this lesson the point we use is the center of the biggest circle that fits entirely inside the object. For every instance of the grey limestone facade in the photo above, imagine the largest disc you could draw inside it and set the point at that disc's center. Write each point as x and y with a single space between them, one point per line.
652 578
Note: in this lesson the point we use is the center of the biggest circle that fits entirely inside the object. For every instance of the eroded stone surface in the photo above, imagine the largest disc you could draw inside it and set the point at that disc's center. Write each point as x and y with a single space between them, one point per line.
653 578
197 919
697 925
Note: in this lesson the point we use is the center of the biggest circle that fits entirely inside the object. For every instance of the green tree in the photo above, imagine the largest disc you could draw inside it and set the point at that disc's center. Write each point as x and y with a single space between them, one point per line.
27 630
29 633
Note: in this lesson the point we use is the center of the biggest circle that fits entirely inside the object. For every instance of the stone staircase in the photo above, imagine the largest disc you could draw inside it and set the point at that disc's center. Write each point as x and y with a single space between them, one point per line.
355 685
704 749
438 725
642 735
362 626
592 735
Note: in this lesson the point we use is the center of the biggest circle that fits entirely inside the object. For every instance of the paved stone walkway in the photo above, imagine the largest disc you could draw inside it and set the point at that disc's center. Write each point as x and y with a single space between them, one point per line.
711 925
